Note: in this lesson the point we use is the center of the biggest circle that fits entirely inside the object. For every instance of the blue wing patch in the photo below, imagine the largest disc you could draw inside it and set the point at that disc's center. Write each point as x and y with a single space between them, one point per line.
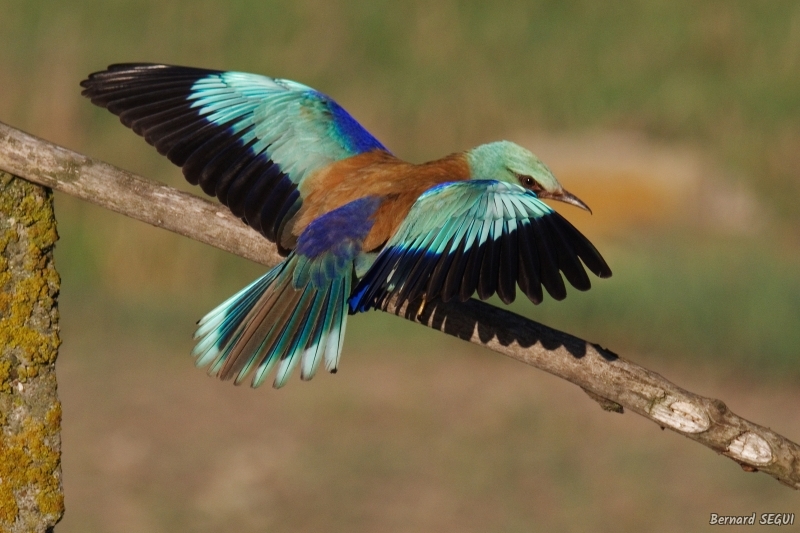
478 236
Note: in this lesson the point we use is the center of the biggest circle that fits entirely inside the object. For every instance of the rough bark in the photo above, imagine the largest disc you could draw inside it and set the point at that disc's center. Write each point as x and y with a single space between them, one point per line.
612 381
31 497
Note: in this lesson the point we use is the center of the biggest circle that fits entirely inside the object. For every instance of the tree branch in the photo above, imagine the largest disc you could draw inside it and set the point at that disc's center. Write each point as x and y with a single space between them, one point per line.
612 381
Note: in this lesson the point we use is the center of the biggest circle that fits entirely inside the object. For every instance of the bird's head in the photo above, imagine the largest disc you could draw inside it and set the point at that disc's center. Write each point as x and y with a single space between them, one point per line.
511 163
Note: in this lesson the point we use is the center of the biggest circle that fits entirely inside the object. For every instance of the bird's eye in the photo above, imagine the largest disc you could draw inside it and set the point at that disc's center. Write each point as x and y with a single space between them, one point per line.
529 183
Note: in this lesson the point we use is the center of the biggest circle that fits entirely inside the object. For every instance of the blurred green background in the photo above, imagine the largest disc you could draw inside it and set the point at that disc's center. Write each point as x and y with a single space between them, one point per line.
677 121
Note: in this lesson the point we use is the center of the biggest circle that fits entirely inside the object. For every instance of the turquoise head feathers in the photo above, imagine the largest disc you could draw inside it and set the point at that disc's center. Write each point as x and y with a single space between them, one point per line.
511 163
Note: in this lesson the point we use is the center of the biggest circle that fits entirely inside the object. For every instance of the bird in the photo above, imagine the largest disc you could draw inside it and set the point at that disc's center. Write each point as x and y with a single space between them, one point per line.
356 225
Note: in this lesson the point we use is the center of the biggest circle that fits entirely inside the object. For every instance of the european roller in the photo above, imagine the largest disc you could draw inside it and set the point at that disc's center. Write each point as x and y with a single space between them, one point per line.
357 226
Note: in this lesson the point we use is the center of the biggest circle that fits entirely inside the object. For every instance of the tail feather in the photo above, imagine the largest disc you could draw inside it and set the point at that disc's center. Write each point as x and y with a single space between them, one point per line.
217 327
280 319
297 345
315 347
335 337
288 333
260 329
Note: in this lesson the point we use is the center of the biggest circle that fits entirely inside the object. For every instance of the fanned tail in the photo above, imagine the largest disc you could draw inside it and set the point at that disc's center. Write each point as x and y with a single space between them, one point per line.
294 313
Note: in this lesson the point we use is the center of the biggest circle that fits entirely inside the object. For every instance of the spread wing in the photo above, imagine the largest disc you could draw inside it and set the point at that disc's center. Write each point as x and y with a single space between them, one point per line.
249 140
479 235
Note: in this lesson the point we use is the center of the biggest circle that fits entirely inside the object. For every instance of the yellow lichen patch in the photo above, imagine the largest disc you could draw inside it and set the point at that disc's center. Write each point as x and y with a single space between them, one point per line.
33 223
30 414
33 347
28 460
5 386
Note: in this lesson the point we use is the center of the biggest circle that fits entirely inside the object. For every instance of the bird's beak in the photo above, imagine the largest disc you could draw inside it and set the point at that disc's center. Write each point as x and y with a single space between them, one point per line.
566 197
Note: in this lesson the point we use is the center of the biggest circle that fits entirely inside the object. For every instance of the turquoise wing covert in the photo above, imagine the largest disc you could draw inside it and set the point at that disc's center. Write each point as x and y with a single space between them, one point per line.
247 139
479 236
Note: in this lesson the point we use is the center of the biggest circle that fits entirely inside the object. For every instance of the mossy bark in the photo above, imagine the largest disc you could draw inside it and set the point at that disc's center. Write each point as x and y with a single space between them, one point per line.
31 496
